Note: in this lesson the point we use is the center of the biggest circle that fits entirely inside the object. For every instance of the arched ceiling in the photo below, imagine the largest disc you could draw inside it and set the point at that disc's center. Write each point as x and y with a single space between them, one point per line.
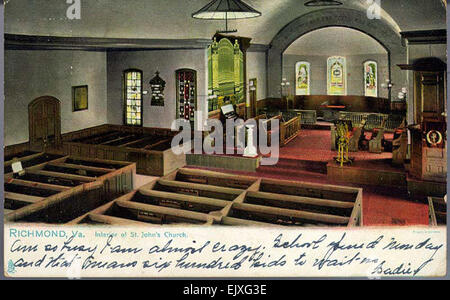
171 19
339 41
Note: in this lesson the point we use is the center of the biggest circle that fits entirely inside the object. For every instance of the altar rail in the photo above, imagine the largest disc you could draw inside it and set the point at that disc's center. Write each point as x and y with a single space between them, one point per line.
390 122
314 102
288 130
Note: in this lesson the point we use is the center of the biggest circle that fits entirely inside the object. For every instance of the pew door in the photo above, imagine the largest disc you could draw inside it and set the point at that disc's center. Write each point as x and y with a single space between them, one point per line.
44 116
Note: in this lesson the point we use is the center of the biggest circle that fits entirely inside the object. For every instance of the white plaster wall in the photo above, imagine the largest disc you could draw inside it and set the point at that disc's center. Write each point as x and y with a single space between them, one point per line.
256 68
164 61
171 19
355 75
32 74
433 50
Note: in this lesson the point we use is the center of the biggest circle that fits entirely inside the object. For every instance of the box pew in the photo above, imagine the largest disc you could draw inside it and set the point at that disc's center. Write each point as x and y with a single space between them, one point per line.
291 203
211 178
198 197
437 209
28 159
145 208
17 150
149 148
60 190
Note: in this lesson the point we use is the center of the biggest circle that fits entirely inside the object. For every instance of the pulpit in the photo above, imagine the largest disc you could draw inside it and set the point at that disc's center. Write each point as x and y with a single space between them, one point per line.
428 170
429 138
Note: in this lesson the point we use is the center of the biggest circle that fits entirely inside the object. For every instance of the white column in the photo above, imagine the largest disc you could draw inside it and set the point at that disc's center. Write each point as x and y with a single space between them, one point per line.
250 150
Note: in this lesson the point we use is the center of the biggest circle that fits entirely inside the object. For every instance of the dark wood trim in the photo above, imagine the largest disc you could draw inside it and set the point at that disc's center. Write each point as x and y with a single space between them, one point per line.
17 41
431 64
313 102
405 67
258 48
35 42
438 36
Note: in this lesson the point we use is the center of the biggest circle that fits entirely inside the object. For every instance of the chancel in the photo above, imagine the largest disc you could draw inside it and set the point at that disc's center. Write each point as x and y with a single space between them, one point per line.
353 99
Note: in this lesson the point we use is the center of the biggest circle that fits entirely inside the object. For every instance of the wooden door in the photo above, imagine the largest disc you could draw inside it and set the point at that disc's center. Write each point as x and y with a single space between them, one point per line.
44 116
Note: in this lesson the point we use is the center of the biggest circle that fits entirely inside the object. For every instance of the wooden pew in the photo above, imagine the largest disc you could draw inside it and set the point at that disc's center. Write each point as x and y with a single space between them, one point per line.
437 209
198 197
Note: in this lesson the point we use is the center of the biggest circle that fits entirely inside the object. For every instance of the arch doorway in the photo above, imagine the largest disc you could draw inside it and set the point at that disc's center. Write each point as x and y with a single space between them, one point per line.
380 30
44 116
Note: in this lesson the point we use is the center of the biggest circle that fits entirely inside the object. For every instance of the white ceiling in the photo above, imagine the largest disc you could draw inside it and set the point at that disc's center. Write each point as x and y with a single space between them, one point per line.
339 41
171 19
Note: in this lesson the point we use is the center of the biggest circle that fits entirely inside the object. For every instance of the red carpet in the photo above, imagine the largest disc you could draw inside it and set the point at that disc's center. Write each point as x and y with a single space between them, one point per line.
305 159
315 145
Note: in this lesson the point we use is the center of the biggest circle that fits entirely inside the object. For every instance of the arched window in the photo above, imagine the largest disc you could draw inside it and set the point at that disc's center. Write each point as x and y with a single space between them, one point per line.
187 94
371 79
337 76
133 97
302 78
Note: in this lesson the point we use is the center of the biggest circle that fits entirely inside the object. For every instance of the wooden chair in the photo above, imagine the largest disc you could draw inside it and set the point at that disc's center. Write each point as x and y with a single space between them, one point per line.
399 149
355 137
353 145
376 143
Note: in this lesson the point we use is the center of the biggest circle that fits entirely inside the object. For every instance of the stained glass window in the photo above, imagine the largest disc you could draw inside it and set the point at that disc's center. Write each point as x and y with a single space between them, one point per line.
187 94
133 97
337 76
370 79
303 78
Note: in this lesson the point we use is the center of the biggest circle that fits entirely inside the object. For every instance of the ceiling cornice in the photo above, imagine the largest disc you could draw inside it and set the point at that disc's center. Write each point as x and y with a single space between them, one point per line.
34 42
438 36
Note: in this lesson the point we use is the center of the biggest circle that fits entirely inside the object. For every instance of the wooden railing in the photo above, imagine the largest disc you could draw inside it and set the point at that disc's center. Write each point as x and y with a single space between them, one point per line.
374 120
289 130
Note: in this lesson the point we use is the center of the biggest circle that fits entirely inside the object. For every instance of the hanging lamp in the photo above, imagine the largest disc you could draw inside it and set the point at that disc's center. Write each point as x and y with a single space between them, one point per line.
323 3
226 10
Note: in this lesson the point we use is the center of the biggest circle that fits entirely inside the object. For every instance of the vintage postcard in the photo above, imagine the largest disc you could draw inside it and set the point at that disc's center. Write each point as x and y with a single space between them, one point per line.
225 139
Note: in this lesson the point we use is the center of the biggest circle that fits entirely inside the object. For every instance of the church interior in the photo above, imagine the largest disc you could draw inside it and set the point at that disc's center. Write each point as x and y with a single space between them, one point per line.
350 93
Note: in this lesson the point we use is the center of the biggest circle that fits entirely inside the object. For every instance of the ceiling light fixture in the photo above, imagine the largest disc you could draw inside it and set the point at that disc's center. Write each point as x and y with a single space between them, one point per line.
226 10
323 3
